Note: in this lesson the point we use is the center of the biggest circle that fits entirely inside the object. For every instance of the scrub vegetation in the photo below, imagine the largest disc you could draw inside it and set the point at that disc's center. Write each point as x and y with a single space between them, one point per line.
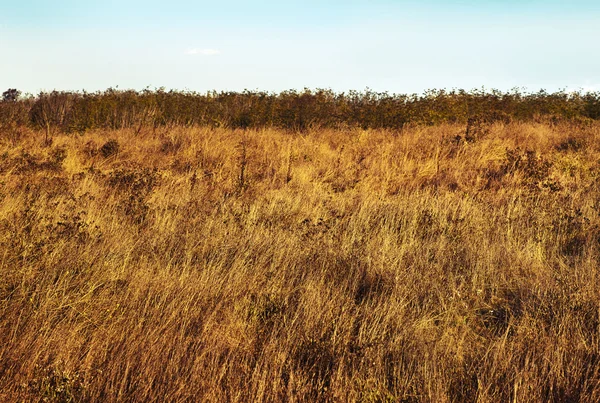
443 255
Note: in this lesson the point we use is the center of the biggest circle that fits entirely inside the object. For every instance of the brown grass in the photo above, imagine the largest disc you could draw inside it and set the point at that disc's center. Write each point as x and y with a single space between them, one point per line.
374 266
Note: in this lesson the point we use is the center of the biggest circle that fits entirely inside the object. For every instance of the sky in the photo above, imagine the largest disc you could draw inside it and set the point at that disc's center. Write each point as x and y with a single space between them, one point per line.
401 46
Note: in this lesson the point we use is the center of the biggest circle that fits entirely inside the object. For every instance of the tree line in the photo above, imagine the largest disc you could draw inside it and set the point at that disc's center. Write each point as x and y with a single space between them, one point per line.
76 112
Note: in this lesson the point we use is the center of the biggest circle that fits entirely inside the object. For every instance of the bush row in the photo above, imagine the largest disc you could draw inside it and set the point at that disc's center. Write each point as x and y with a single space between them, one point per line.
294 110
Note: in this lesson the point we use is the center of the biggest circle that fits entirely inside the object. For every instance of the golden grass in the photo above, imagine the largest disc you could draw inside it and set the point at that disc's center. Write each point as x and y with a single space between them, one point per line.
375 266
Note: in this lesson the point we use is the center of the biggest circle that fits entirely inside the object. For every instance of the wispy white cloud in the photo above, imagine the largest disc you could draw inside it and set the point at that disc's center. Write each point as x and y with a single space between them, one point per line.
203 52
587 87
590 88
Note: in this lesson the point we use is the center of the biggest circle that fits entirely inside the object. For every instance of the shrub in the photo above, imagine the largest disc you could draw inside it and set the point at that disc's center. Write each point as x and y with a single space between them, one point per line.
110 148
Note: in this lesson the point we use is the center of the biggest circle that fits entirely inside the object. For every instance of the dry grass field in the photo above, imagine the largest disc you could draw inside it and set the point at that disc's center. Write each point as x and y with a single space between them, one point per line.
215 265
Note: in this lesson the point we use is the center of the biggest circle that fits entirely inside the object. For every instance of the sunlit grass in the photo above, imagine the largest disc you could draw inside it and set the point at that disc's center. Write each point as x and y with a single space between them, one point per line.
342 265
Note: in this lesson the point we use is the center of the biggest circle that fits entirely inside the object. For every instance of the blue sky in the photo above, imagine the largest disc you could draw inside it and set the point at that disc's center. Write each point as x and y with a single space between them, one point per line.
396 46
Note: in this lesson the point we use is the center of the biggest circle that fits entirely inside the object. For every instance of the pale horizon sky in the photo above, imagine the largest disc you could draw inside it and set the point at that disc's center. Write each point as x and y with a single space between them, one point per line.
396 46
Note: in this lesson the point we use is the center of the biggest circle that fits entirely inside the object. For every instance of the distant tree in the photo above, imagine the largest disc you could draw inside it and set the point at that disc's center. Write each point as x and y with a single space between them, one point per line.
50 110
11 95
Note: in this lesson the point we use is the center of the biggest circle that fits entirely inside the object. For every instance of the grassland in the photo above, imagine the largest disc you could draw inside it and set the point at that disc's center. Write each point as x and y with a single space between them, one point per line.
207 264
